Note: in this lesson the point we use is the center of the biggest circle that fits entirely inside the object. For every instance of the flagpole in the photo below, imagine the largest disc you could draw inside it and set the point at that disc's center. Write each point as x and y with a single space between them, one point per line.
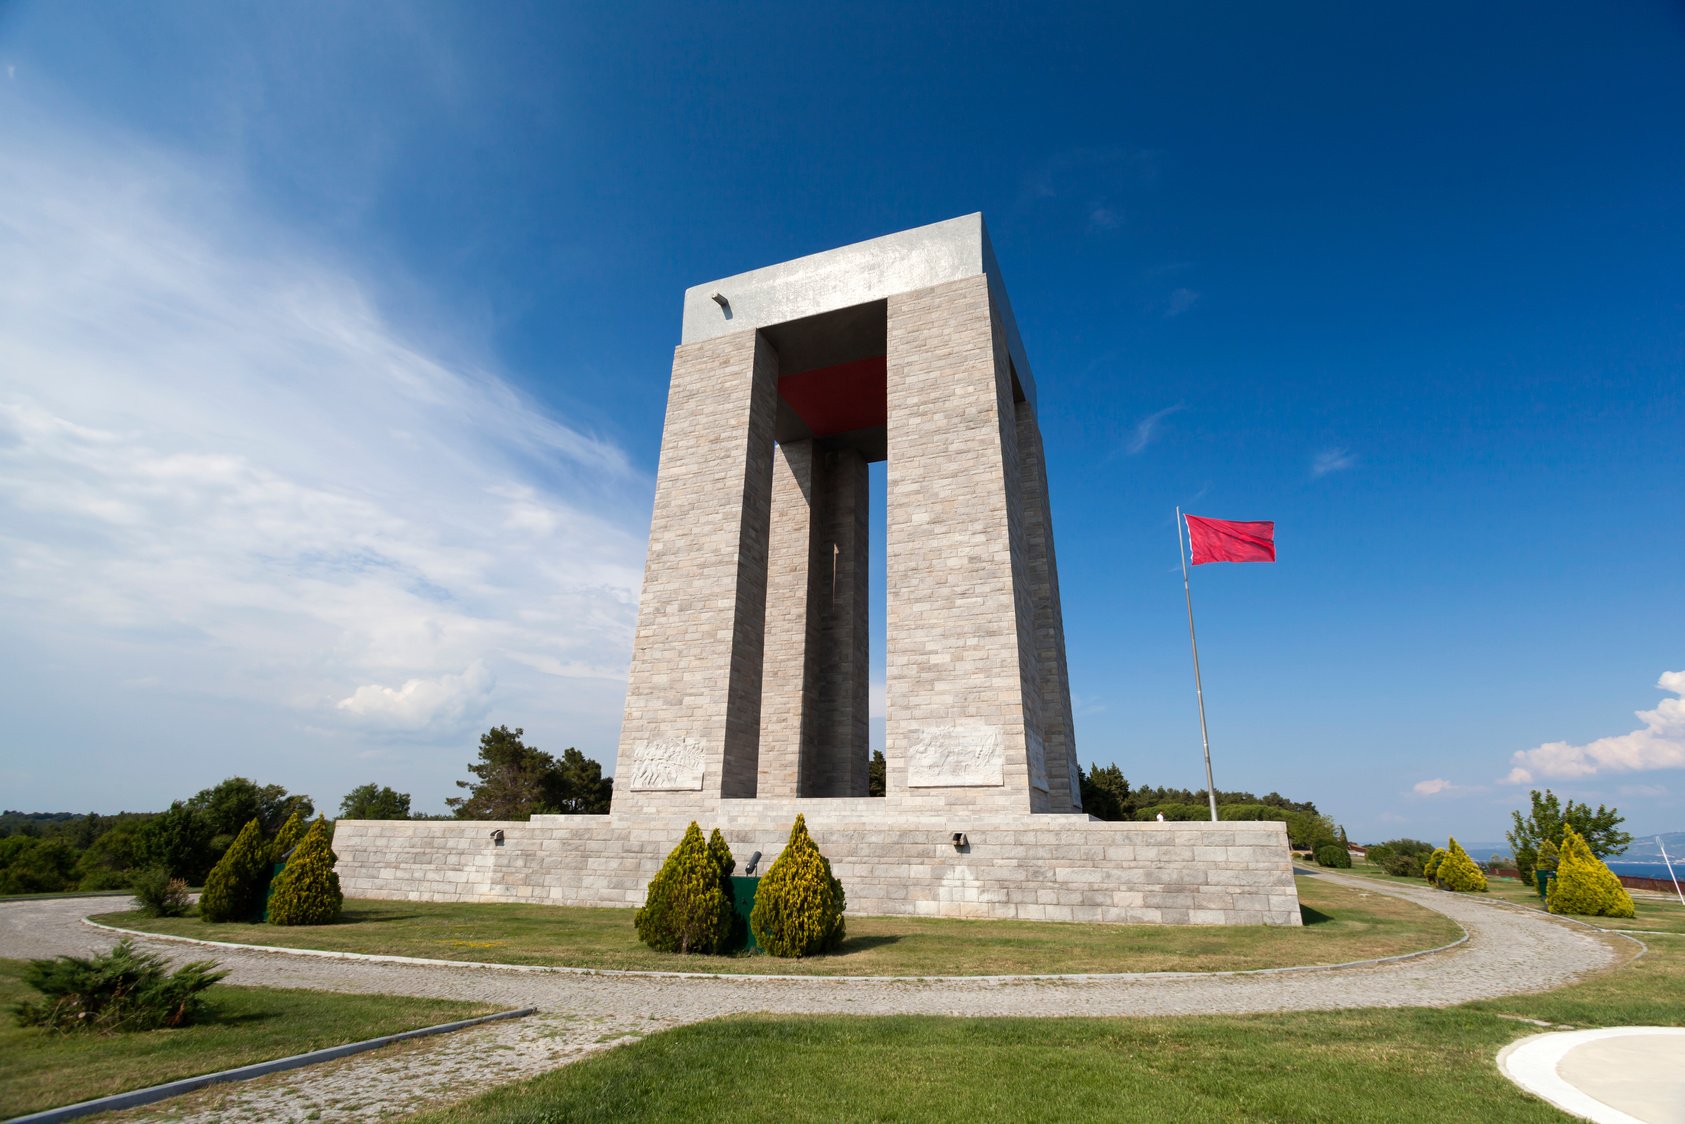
1199 692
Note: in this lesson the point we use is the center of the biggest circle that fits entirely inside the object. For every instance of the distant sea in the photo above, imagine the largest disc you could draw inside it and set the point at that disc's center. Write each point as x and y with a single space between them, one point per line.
1648 870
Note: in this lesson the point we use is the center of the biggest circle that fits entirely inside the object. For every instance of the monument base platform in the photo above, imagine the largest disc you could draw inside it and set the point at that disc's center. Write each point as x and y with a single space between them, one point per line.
1029 867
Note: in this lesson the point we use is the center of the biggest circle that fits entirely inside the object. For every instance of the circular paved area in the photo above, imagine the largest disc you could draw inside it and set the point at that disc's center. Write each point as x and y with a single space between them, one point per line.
1508 950
1612 1075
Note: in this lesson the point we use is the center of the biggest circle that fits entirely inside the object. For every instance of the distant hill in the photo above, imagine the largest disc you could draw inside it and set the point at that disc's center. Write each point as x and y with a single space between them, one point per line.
1644 848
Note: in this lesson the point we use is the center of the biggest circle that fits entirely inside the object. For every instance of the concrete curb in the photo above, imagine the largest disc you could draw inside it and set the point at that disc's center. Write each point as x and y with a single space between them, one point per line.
152 1093
555 969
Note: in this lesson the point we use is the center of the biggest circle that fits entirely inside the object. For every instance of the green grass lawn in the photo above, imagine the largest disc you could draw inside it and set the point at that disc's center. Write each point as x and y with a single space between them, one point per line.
1347 1066
1655 914
41 1069
1343 923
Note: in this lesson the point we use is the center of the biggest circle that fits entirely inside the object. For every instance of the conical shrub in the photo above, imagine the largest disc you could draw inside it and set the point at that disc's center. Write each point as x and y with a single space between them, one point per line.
685 909
307 891
1584 885
721 854
799 904
290 836
1459 872
1431 868
234 888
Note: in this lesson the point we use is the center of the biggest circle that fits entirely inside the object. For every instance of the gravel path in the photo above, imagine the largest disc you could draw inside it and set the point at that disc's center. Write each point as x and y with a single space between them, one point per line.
1509 950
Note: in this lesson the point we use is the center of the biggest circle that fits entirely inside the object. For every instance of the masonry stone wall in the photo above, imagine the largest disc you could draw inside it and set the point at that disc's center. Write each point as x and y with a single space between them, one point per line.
963 723
693 695
1028 867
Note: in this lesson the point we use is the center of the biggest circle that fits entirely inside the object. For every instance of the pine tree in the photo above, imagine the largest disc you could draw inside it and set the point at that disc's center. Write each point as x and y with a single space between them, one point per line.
1584 885
234 888
799 904
307 891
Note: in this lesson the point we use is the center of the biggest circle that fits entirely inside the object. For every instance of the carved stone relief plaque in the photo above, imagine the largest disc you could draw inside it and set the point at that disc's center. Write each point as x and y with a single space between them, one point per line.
673 765
955 757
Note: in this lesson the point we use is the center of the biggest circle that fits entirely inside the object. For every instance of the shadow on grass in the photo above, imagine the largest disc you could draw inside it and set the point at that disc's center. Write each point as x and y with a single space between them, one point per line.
862 944
1313 916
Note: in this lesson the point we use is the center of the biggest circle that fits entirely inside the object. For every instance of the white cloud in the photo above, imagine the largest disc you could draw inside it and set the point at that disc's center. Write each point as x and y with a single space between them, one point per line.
1433 787
420 703
1146 430
1660 744
226 474
1331 460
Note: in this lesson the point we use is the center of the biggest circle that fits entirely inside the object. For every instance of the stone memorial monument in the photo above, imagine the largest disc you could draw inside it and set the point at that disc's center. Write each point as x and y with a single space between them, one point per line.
746 699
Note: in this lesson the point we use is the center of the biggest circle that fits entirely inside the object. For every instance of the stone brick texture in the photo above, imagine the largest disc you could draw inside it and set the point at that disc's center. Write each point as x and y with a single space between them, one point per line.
1029 867
698 650
961 616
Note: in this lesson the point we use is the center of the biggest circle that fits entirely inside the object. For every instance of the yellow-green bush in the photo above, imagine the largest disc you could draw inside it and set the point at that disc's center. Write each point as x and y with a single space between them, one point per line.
234 888
290 836
1431 867
1584 885
1458 872
686 908
307 891
799 904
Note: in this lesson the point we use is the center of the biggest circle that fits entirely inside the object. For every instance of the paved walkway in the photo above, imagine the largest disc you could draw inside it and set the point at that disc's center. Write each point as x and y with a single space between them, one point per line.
1509 950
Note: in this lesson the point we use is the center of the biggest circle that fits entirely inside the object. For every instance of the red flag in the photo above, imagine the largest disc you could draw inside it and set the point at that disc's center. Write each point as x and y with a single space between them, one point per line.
1223 540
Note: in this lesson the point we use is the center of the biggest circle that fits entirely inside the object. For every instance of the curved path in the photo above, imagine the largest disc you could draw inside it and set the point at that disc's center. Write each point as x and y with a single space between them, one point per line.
1509 950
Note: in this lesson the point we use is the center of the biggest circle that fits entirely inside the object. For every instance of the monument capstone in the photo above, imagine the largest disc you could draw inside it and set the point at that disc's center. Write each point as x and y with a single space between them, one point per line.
747 696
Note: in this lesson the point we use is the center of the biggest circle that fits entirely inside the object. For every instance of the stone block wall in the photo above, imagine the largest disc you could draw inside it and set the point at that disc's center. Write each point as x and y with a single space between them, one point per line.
1041 868
963 722
693 696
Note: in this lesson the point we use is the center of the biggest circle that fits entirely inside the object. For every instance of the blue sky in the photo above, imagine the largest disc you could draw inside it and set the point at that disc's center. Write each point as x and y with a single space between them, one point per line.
334 343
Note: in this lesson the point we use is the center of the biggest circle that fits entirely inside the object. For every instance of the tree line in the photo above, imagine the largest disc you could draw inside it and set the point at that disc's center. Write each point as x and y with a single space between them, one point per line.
49 852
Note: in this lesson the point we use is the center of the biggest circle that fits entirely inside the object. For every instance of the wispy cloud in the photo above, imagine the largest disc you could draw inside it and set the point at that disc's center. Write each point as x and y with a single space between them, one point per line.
1331 460
1439 786
1179 301
225 474
1660 744
1147 429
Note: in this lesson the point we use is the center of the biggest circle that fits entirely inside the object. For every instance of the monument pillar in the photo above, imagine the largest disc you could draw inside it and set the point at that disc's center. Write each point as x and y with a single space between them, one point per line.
693 695
964 725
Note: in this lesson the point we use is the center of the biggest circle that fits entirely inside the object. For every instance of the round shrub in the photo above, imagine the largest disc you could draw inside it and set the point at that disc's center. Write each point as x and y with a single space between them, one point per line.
1401 865
307 890
159 894
234 888
799 904
1430 869
1584 885
1332 854
1458 872
686 909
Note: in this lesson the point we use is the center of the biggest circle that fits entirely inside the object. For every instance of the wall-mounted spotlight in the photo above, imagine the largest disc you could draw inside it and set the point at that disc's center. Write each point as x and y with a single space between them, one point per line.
753 859
497 837
960 841
719 299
